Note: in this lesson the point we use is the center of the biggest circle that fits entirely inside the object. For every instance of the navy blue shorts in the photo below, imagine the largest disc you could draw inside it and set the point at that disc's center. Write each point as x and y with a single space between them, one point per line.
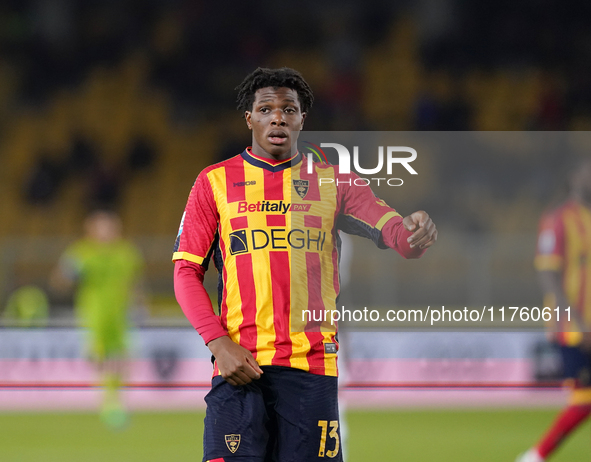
288 415
576 364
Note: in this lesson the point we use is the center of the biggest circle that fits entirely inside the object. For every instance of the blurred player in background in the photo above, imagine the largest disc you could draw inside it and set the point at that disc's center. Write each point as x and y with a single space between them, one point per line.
105 270
563 261
27 306
274 390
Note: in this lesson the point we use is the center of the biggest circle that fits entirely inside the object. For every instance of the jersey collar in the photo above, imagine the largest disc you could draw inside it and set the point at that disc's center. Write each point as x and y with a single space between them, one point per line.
249 157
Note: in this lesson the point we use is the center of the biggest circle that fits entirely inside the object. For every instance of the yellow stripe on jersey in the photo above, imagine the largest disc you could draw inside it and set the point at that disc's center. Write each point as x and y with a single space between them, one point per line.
264 295
233 302
328 203
330 362
583 260
298 289
300 343
573 248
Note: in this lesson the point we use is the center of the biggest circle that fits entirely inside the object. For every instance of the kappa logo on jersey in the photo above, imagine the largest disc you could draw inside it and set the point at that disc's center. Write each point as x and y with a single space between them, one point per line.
232 441
245 183
238 242
301 187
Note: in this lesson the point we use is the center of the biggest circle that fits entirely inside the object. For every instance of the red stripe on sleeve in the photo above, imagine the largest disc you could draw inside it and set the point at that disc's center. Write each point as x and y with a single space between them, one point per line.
273 185
248 328
316 306
552 223
281 307
200 219
194 301
235 176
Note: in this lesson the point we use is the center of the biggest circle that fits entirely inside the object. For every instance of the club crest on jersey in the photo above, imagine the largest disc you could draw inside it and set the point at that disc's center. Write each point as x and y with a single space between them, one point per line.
232 441
301 187
238 242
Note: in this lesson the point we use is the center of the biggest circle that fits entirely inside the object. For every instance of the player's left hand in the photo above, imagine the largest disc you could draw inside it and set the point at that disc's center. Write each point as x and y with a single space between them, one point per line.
425 232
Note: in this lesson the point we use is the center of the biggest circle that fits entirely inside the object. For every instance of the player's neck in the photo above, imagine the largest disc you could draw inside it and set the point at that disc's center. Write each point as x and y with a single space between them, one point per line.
260 152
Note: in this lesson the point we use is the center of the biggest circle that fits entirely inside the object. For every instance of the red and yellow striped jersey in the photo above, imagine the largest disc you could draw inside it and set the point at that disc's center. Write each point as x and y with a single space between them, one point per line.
564 245
271 229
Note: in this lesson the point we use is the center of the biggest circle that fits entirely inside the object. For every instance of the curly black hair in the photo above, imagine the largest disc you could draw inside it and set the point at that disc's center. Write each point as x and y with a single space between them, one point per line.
276 78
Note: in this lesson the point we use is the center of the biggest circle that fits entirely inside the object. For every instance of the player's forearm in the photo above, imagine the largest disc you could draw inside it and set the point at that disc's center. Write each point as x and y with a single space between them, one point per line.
194 300
551 283
395 236
59 282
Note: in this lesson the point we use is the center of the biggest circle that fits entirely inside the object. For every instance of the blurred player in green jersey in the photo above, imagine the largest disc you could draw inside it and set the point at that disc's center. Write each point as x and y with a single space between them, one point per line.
27 306
106 271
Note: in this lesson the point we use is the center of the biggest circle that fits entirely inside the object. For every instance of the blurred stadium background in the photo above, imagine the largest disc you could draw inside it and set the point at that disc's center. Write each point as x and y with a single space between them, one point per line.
121 103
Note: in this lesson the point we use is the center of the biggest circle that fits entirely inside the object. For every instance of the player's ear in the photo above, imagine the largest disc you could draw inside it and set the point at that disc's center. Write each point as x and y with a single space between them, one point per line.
304 114
247 117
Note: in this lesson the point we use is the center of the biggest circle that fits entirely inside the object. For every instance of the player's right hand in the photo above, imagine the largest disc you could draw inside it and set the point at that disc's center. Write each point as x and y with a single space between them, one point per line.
425 231
236 364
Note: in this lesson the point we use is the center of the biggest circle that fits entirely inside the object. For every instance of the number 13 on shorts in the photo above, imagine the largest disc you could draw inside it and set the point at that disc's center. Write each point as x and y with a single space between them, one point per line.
334 426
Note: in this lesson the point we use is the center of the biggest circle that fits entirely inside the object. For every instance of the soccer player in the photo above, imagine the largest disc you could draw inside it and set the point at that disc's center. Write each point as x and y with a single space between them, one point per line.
106 270
563 261
28 306
272 231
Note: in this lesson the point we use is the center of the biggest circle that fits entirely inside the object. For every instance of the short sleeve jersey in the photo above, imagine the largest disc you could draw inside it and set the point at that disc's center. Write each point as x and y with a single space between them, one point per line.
564 245
272 231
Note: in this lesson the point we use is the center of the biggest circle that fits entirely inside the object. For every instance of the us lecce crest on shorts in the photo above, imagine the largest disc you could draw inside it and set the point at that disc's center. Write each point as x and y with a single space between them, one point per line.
232 441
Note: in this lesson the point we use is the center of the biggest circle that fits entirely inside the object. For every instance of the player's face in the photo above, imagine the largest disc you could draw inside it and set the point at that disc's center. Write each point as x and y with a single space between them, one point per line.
103 227
276 120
